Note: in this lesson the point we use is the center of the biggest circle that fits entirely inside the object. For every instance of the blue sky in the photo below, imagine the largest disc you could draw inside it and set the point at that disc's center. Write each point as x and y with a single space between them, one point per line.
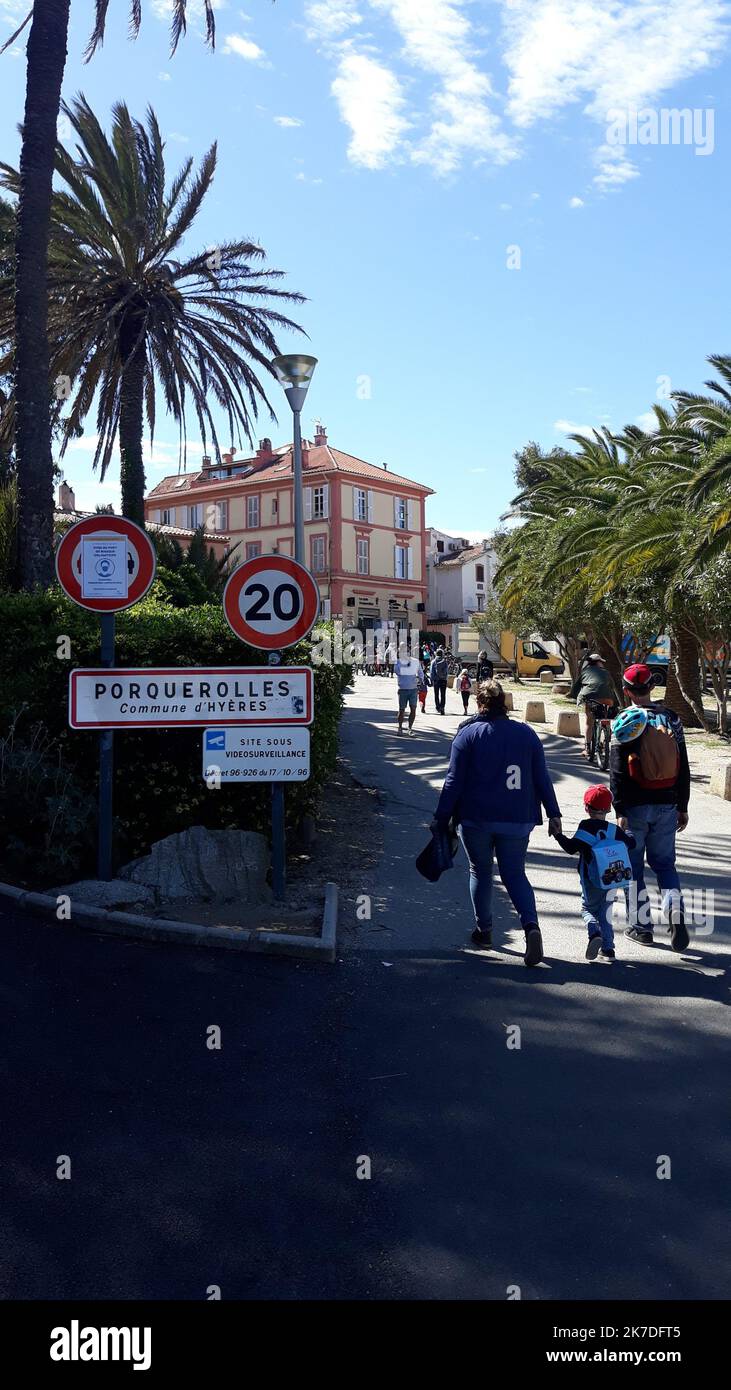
485 261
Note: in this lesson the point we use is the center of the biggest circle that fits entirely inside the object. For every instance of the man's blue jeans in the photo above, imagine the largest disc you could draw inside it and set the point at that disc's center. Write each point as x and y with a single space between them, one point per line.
654 829
596 910
480 846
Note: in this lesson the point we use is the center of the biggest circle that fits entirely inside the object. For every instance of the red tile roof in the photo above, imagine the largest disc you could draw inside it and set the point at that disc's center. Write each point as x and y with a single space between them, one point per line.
318 458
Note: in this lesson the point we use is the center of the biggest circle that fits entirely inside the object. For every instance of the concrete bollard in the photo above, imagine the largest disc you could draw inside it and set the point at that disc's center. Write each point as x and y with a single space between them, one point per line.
561 687
567 722
721 782
547 677
508 699
535 712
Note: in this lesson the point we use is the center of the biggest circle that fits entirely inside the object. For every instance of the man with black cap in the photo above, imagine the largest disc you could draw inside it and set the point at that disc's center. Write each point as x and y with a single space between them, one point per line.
593 685
650 783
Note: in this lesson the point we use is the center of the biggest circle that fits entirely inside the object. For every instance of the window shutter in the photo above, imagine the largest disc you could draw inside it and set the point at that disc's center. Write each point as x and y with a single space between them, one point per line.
410 518
395 512
355 504
326 501
395 562
308 504
409 563
326 606
370 505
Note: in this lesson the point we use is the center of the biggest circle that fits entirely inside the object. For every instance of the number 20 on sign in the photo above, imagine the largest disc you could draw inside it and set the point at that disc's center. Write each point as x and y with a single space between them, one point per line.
271 602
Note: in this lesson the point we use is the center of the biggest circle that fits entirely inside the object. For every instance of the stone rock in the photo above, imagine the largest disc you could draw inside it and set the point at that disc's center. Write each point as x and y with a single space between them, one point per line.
567 722
115 894
561 687
535 712
547 677
508 699
215 865
721 782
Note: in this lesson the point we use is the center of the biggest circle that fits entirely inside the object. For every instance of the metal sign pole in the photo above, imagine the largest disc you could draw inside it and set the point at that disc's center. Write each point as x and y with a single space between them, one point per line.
106 763
279 846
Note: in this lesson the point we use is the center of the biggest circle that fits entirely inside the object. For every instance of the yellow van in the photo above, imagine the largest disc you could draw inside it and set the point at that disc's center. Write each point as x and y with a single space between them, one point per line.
528 655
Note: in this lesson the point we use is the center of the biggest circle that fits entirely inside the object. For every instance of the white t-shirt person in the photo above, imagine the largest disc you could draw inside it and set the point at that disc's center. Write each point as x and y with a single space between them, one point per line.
407 672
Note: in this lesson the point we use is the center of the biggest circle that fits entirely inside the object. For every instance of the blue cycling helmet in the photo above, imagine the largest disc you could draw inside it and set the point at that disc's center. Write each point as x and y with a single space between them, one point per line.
629 724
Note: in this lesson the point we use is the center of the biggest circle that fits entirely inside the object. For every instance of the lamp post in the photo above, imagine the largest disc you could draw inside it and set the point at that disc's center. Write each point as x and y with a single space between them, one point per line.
294 374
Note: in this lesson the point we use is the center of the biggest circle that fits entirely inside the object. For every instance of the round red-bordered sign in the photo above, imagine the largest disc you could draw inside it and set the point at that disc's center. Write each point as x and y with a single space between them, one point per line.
271 601
140 563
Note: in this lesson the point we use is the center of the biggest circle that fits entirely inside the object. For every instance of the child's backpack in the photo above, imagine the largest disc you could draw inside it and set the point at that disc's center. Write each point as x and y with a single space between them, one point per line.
465 683
610 865
656 763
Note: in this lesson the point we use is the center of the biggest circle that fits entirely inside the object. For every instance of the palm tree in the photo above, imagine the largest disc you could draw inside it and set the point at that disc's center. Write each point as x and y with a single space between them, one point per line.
129 311
46 60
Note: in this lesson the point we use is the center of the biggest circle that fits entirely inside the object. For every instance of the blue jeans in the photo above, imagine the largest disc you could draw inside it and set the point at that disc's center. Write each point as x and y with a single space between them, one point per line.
480 845
596 910
654 829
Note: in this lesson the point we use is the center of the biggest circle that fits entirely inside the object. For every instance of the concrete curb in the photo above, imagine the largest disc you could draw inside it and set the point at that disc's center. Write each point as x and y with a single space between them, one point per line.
163 929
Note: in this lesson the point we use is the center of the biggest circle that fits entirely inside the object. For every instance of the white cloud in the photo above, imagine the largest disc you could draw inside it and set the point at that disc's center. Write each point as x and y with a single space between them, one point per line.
370 101
647 421
287 121
622 53
330 19
437 39
571 427
305 178
614 168
243 47
576 202
178 138
164 77
505 207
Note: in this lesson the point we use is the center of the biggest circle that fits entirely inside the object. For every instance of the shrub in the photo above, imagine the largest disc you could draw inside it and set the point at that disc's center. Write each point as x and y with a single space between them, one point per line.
46 816
158 784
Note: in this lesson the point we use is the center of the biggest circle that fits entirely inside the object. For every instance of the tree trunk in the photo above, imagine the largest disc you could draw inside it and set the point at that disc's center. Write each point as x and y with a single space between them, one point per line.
683 693
46 55
132 472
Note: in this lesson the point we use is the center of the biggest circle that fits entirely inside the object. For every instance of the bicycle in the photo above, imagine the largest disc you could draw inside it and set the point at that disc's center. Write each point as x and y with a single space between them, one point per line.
601 733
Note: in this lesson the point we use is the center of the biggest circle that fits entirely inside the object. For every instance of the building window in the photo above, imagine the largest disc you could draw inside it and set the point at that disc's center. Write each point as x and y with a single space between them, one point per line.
363 559
194 517
402 566
480 603
401 513
361 504
318 503
167 516
318 555
253 548
252 511
275 508
217 514
480 574
440 547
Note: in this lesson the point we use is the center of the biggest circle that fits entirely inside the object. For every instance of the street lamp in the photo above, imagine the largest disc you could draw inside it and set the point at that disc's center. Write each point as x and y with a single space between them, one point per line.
294 374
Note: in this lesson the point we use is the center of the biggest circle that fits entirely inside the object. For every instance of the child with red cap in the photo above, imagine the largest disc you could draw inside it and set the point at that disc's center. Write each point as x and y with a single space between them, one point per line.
604 867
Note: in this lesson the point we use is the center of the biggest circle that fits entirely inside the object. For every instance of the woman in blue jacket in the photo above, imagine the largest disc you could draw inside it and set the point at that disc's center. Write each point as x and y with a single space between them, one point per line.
494 789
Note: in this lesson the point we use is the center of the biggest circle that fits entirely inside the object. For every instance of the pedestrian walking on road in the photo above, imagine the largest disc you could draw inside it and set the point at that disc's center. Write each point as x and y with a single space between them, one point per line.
421 689
408 671
464 685
650 783
485 668
494 789
604 866
438 672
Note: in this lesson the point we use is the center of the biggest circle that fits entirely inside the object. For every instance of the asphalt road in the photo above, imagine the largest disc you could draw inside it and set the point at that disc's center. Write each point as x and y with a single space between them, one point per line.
491 1166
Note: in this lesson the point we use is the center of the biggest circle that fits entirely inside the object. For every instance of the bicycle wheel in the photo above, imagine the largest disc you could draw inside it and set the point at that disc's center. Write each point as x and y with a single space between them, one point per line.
603 747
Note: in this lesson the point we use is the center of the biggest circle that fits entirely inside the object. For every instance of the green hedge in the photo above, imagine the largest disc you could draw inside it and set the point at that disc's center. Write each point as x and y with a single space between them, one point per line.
158 784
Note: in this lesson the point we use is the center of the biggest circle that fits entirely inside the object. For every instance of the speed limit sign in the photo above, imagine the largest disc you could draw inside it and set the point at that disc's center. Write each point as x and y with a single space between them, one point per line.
271 601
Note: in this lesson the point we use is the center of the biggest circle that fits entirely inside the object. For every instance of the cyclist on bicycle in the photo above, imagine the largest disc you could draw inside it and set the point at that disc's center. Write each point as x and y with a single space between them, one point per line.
593 686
